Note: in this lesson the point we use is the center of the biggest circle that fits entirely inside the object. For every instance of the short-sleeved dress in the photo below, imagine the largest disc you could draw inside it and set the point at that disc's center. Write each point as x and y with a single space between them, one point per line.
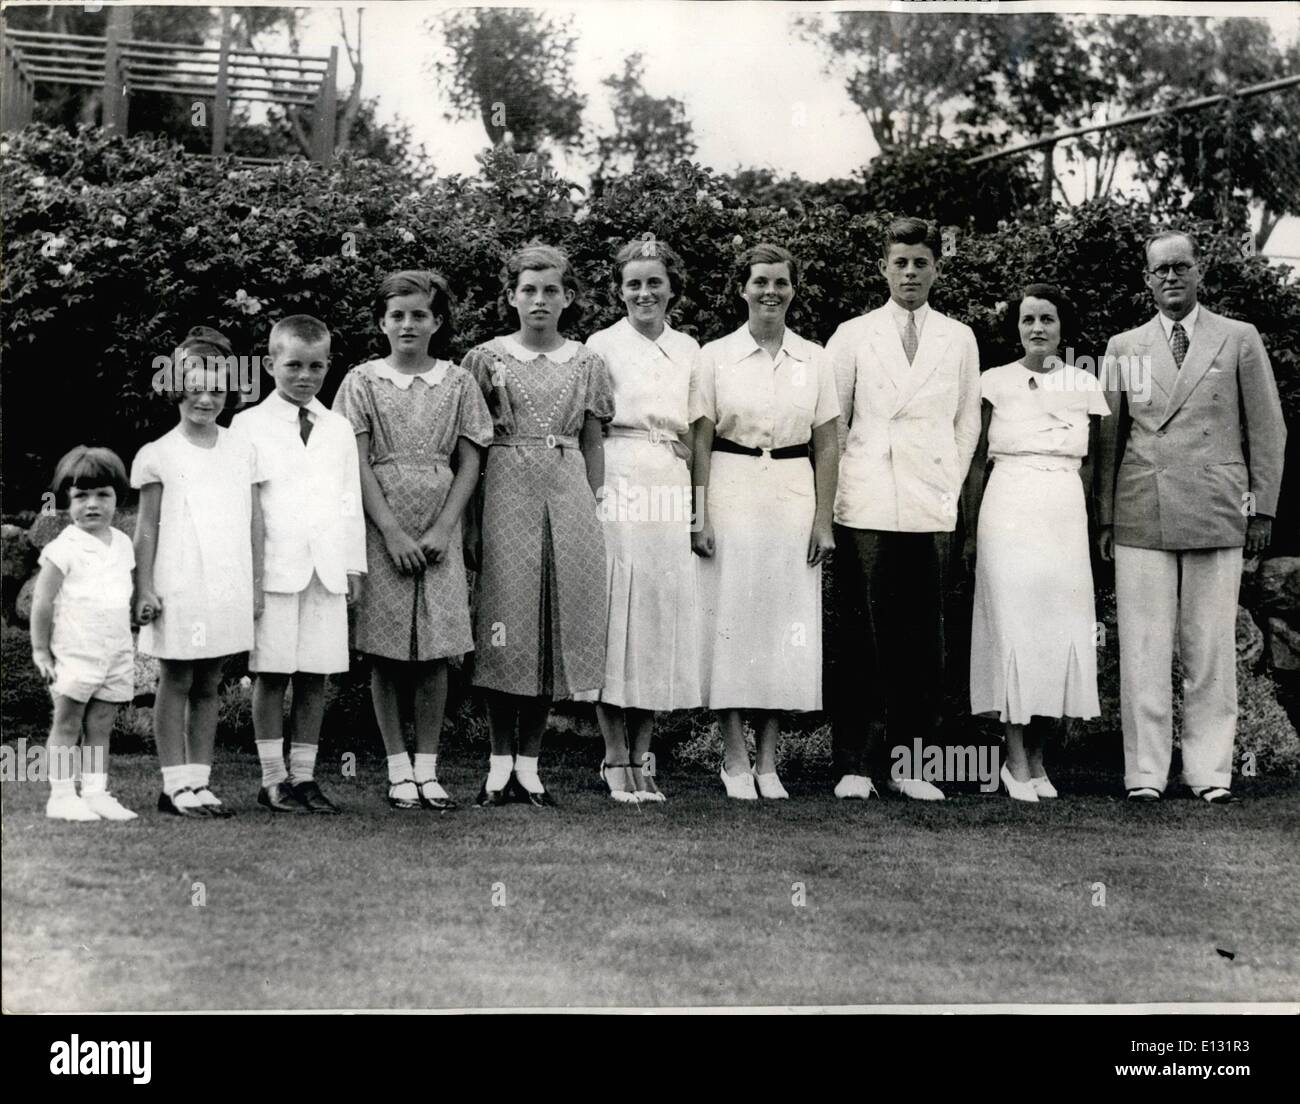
652 634
203 566
414 422
540 616
760 602
1032 636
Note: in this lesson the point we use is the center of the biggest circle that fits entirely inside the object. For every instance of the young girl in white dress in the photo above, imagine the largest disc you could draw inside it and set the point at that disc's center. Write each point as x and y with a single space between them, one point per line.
198 527
1033 653
652 645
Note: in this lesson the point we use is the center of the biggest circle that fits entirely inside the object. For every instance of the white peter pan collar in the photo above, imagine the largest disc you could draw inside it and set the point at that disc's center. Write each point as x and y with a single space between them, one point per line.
562 355
403 380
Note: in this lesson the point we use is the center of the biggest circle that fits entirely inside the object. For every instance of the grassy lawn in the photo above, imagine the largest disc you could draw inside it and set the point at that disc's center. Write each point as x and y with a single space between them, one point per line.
690 903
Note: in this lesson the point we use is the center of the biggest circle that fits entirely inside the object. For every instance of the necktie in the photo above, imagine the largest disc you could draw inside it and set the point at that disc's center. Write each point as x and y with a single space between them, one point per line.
304 424
909 337
1178 343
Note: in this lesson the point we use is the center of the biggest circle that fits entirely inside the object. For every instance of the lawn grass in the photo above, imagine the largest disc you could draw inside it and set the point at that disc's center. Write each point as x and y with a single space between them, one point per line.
978 899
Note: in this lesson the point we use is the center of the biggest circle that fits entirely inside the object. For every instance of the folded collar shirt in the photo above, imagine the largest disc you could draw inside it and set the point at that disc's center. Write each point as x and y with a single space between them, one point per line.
899 315
432 377
1188 323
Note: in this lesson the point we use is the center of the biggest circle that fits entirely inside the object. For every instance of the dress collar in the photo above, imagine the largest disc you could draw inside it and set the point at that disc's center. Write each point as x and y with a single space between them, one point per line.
741 345
515 348
899 314
1188 323
432 377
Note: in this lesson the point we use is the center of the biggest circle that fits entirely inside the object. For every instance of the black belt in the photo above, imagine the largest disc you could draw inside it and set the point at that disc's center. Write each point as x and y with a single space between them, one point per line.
789 452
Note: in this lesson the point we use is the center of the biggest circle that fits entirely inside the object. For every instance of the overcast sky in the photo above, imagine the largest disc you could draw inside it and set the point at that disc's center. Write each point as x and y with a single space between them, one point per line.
755 94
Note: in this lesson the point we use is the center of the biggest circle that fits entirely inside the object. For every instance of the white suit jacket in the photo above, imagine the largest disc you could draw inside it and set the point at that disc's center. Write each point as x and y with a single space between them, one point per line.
911 428
311 500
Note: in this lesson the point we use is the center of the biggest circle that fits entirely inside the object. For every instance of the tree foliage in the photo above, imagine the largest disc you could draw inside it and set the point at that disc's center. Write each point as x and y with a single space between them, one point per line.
513 69
649 131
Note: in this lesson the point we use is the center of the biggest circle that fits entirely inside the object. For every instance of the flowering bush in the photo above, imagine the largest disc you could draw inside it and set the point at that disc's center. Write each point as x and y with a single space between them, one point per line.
115 246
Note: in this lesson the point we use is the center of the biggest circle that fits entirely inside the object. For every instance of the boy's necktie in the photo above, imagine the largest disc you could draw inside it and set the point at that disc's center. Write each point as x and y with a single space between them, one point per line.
1178 343
304 424
909 337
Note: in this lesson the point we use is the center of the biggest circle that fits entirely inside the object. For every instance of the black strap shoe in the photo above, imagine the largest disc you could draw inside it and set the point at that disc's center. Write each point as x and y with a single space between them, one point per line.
434 801
494 797
280 798
194 812
516 792
309 795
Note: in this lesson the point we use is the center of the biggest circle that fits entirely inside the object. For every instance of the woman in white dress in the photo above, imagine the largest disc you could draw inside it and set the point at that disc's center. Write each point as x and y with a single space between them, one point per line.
652 645
761 395
1032 640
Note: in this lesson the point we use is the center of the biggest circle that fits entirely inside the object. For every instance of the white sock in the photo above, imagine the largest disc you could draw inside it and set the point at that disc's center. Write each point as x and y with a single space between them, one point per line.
302 762
426 767
174 779
499 768
93 783
526 772
399 769
271 755
201 773
61 787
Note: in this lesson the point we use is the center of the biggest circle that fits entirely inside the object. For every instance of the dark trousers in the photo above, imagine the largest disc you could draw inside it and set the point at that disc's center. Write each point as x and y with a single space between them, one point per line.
886 667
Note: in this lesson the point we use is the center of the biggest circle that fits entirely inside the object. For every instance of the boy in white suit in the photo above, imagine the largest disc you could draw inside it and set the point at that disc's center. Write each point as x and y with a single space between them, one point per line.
908 383
315 555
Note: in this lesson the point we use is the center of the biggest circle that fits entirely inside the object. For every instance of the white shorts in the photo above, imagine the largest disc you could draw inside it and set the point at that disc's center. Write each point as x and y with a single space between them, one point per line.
109 678
306 631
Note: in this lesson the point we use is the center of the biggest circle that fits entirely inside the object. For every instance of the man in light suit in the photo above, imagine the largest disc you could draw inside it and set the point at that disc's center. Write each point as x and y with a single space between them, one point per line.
1190 470
908 384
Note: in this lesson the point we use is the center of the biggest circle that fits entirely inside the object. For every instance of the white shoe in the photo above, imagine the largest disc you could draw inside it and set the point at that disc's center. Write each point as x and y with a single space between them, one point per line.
739 786
916 789
1018 791
69 806
107 807
855 786
1043 787
769 786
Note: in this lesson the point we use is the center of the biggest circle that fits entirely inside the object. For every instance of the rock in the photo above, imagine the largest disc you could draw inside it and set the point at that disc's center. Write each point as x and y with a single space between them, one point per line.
1283 645
1277 586
23 603
1250 641
47 527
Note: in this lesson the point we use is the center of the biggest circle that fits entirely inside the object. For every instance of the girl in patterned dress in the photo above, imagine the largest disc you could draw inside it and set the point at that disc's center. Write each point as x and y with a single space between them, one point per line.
412 412
540 620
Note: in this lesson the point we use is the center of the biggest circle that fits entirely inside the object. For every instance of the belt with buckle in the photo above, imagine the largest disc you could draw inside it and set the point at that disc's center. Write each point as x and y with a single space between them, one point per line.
786 452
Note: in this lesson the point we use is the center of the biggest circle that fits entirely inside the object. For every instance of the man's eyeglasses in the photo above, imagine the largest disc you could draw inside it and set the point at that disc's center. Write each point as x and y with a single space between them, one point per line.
1164 271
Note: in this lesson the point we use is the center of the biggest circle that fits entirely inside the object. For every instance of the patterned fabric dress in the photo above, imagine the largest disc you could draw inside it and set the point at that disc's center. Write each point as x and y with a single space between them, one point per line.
413 433
540 620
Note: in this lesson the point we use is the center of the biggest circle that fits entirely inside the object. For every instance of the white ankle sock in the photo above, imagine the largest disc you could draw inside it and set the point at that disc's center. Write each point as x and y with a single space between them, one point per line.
302 762
93 783
499 768
270 754
426 767
201 773
399 769
61 787
174 779
526 772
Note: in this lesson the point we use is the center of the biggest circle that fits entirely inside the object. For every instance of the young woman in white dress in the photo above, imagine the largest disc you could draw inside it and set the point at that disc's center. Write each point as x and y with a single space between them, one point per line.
763 402
1032 639
652 645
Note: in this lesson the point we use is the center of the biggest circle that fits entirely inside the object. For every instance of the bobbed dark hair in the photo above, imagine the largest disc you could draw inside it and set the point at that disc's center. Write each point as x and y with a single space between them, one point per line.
88 466
431 284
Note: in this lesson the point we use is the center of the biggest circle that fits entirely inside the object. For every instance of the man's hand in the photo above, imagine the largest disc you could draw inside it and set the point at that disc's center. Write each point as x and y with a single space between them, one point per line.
44 660
1259 534
354 589
1106 542
702 541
